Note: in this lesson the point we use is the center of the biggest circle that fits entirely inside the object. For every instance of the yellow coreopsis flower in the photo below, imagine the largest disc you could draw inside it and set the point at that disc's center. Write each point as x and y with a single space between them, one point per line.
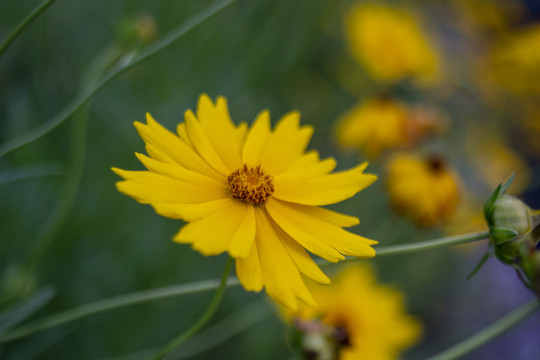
254 193
373 126
356 319
514 61
390 43
424 190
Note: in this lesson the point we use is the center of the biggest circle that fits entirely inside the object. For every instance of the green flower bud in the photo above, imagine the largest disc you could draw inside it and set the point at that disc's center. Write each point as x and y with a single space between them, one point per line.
511 226
531 270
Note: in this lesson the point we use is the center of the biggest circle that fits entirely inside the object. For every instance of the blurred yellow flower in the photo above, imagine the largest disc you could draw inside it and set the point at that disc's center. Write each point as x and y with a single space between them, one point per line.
252 193
373 126
390 43
424 190
514 61
494 160
382 123
357 318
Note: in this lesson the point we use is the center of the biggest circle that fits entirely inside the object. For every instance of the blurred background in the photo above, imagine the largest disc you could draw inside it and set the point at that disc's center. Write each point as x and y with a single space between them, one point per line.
449 85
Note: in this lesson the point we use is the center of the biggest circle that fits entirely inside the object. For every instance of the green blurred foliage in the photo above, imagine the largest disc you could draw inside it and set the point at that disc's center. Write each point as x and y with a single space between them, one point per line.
280 55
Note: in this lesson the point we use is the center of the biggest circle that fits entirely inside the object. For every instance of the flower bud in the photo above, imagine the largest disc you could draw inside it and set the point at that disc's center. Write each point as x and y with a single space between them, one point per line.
511 224
531 270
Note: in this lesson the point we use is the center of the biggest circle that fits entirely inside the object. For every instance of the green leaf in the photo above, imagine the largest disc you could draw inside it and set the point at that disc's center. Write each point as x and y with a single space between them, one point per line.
500 190
506 185
20 312
479 265
500 236
488 205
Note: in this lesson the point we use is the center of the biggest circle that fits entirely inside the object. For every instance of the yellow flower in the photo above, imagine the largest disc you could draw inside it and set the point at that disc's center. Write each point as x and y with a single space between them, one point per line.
382 123
373 126
514 61
390 44
254 193
359 318
424 190
494 160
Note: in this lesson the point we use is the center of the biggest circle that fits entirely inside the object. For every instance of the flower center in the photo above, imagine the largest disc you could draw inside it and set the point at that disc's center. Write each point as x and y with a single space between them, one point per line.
251 184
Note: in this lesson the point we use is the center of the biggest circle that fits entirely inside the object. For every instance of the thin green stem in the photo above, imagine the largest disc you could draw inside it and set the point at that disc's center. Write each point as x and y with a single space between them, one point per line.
196 287
431 244
113 303
202 320
233 324
34 14
29 172
489 333
420 246
79 101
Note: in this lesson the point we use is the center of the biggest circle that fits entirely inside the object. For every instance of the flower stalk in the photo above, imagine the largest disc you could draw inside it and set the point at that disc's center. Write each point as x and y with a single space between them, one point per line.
34 14
139 297
489 333
203 319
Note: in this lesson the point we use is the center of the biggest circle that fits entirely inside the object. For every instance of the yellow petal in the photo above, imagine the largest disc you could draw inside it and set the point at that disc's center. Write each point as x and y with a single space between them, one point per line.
286 144
325 190
317 235
242 242
281 276
182 133
249 271
330 216
175 148
256 139
151 188
314 244
179 172
295 174
301 258
216 233
191 212
202 144
216 123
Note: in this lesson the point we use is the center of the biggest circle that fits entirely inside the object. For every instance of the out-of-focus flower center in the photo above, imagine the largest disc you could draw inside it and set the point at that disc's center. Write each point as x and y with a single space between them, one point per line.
251 184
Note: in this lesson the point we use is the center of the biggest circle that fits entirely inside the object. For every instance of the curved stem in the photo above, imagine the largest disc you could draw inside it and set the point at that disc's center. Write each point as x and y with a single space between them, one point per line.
79 101
34 14
111 304
196 287
202 320
431 244
419 246
489 333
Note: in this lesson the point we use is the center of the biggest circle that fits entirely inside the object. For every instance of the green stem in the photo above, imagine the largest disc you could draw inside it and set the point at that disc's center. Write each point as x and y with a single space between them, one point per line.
111 304
430 244
196 287
214 335
203 319
29 172
489 333
418 246
34 14
79 101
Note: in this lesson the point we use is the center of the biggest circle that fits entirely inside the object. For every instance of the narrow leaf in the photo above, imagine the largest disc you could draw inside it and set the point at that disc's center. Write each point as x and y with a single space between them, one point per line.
479 265
20 312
